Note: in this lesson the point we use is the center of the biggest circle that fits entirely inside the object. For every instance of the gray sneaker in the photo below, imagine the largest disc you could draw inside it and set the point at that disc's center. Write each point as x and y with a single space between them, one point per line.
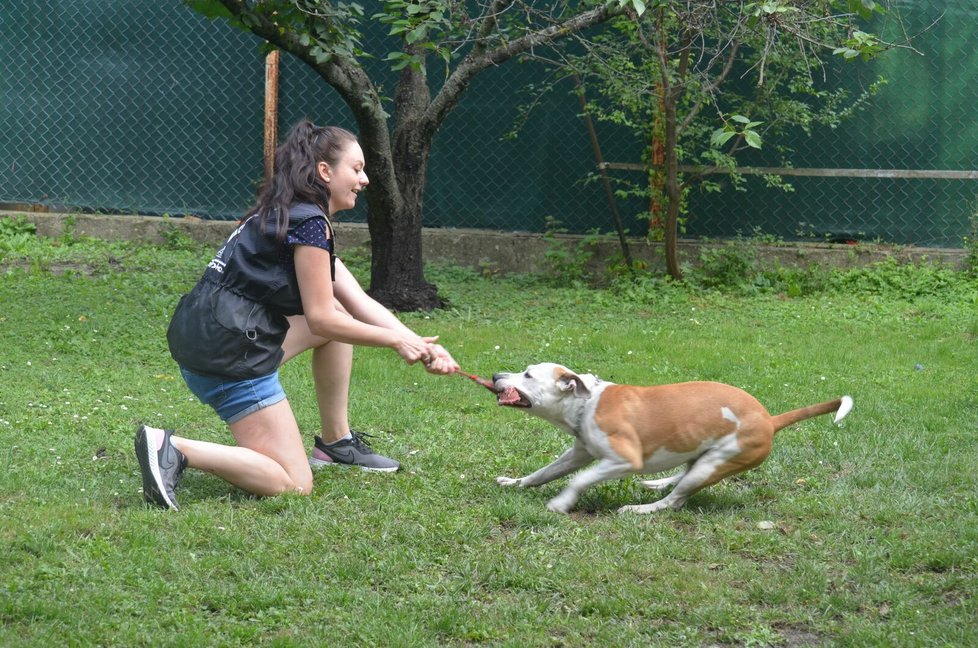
162 469
351 452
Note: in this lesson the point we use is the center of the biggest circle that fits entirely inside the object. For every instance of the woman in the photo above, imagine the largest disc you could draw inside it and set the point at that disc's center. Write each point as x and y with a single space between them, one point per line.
274 290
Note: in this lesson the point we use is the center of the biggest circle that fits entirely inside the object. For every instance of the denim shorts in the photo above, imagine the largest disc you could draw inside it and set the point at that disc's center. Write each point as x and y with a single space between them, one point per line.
235 399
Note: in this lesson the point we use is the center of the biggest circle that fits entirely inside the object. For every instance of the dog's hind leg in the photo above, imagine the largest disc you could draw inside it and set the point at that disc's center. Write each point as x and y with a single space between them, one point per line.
712 466
573 458
602 471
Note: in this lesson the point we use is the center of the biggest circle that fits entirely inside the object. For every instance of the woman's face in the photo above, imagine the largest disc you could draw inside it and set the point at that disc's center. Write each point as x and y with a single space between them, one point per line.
346 178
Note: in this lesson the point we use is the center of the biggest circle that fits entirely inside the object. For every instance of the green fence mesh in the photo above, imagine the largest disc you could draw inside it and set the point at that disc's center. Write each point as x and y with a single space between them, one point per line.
126 106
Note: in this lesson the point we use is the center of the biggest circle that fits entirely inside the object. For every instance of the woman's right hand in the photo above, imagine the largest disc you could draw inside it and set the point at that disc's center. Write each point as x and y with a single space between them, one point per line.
414 348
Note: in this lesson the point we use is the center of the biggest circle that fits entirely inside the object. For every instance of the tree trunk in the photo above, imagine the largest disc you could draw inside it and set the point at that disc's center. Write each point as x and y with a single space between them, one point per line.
396 266
673 191
395 206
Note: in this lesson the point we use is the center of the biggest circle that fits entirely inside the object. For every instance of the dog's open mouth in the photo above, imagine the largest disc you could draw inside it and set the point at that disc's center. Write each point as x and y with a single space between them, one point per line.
512 397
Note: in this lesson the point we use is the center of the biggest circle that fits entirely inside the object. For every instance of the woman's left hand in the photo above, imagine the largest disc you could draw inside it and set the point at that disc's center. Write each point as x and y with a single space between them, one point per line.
440 361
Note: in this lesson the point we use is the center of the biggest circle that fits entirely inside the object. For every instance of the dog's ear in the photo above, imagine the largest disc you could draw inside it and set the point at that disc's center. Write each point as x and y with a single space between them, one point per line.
568 380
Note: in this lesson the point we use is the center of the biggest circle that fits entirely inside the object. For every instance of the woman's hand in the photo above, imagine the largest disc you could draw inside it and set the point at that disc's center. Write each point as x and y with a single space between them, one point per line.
414 348
440 361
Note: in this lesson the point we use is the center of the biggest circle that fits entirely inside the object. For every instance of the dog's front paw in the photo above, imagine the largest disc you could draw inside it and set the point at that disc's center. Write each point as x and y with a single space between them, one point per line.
509 481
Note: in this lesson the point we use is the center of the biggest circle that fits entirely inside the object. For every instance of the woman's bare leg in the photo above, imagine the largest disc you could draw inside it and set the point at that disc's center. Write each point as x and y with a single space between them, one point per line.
332 364
269 459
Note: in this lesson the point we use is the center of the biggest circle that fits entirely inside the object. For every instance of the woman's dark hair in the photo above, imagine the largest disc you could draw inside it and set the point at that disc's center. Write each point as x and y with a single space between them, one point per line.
296 177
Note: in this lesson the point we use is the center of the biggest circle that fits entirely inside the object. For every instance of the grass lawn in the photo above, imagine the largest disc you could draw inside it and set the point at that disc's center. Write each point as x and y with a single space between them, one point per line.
865 534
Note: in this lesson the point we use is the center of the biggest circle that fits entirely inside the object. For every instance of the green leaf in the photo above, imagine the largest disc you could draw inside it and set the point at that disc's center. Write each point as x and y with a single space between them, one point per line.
753 139
637 5
418 33
721 136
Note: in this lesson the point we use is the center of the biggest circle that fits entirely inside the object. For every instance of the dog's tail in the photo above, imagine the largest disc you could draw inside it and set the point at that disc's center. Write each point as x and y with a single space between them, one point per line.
840 406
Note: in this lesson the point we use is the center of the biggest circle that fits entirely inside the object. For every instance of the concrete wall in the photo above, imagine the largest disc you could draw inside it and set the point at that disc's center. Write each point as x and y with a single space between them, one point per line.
503 252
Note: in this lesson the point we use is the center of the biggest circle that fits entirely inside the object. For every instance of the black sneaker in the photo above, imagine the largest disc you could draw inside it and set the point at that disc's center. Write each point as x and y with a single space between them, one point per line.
162 469
351 452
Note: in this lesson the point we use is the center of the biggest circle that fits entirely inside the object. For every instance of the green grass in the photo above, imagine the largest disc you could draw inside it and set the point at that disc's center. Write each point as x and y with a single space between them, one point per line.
875 522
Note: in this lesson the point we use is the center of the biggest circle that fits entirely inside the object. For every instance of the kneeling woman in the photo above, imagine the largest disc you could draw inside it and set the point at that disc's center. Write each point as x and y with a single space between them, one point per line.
274 290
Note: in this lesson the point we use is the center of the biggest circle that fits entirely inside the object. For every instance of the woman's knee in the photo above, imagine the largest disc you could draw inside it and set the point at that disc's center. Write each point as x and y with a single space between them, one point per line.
288 484
300 478
302 485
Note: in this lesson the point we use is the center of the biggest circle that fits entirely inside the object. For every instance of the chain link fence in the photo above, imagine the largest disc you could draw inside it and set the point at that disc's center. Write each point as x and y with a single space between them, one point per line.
146 107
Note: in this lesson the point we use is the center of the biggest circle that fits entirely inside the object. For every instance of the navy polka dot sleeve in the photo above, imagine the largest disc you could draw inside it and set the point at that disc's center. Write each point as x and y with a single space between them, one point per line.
310 232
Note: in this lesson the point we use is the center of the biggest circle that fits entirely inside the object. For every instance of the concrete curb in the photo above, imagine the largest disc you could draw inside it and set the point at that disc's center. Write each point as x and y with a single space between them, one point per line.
488 250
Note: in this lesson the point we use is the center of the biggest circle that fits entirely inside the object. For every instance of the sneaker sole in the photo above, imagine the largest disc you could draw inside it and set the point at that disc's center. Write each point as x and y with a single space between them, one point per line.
153 491
316 464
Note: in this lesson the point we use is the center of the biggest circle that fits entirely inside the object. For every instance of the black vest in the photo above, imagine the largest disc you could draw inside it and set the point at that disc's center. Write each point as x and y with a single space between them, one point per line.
232 324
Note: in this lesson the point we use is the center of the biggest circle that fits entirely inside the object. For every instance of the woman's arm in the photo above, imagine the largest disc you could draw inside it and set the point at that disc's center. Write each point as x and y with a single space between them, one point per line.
326 320
366 309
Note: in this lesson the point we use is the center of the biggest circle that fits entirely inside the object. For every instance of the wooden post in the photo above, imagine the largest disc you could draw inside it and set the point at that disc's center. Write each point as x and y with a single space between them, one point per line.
271 111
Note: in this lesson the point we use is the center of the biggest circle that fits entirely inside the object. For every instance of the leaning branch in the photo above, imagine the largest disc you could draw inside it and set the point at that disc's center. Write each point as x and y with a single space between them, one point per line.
481 57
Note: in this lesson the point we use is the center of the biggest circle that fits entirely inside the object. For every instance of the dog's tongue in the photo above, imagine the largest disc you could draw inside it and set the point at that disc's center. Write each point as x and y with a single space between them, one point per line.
508 396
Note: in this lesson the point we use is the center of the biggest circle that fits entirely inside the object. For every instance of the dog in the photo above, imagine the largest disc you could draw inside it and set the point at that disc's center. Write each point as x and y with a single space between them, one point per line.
717 430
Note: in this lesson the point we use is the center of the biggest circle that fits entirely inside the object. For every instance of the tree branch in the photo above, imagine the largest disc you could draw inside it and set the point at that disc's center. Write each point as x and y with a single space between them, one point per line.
482 57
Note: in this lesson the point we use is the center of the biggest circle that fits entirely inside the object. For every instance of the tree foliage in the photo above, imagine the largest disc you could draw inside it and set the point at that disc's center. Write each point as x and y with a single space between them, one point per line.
701 82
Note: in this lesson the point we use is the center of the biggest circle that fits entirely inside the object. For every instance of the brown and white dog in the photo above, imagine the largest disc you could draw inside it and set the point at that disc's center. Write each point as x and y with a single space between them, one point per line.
715 429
